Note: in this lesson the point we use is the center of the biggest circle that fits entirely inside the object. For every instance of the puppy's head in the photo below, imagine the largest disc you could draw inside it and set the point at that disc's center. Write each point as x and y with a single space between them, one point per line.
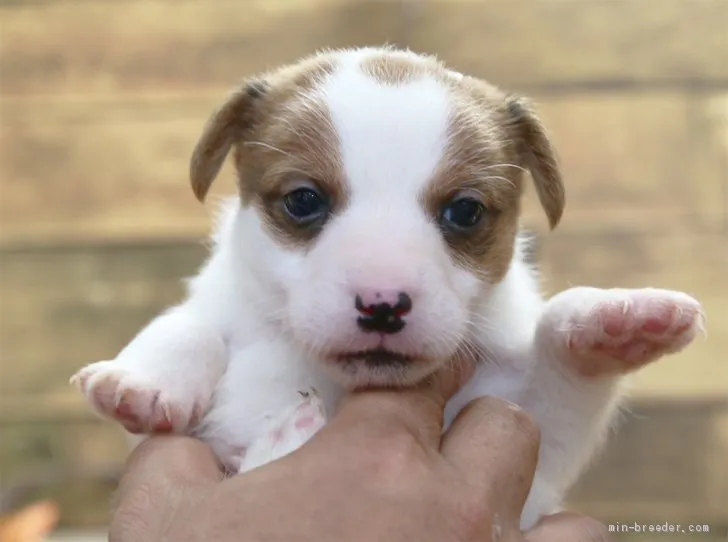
385 190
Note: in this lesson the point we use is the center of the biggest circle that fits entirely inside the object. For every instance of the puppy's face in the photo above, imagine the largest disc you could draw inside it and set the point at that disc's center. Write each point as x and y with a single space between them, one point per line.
385 189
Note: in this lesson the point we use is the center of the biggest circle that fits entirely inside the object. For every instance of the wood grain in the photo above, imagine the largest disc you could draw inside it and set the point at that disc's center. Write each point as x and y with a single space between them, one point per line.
118 168
652 161
100 167
100 47
74 464
68 307
661 466
532 44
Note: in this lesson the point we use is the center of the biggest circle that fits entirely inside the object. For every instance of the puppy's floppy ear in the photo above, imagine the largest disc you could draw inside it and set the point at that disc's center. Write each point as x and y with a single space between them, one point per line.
227 125
538 156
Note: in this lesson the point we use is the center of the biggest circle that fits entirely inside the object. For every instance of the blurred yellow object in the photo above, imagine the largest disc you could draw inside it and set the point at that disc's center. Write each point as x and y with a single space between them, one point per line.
30 524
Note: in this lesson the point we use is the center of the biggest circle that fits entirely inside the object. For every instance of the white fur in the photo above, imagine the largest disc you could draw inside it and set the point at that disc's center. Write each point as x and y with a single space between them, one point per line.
281 315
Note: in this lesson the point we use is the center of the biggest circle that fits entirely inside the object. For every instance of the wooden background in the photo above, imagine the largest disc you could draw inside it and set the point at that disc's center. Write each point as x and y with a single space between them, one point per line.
101 102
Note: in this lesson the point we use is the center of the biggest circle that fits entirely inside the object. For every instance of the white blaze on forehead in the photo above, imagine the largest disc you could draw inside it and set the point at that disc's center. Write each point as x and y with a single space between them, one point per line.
392 137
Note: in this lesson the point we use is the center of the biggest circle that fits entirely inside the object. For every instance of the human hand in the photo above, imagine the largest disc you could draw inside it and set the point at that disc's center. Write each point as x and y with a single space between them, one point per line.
379 470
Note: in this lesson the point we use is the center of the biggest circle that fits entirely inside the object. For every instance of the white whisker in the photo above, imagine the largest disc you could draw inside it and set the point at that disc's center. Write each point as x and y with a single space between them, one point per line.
267 146
494 166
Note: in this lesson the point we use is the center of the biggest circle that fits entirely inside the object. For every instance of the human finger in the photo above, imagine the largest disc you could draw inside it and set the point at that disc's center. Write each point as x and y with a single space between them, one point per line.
418 409
495 443
567 527
161 459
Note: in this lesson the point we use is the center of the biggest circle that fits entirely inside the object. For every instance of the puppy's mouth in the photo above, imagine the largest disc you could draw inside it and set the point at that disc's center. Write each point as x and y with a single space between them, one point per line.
376 357
379 367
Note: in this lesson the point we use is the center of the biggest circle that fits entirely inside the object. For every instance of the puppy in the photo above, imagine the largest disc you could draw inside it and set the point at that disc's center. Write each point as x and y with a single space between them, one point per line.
375 238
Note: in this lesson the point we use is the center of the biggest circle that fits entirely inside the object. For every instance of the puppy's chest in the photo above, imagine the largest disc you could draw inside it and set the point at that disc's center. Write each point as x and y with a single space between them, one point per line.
270 373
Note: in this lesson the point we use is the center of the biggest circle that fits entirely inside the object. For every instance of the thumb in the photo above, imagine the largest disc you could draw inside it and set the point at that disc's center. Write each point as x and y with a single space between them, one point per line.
418 410
161 460
165 477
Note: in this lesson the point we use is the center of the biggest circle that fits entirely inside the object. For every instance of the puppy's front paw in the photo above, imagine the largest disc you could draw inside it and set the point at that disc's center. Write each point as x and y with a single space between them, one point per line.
288 432
617 331
136 402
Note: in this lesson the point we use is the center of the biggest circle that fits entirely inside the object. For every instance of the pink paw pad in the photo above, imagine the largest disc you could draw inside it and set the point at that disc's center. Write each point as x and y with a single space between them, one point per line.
305 422
306 419
138 407
627 330
287 432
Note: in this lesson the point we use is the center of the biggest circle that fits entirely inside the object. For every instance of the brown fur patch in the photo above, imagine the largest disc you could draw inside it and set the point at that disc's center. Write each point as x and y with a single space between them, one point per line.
281 135
227 124
295 142
492 143
398 68
478 161
538 155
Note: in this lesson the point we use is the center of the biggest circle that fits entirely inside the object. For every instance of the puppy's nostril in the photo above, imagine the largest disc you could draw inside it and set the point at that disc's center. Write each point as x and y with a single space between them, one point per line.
404 304
361 307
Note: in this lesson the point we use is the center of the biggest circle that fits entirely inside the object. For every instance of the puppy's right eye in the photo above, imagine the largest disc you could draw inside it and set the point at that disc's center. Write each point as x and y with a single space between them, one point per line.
462 214
305 205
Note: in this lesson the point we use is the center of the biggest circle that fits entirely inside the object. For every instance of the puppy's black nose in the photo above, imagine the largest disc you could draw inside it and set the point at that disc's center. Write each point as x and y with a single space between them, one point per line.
383 317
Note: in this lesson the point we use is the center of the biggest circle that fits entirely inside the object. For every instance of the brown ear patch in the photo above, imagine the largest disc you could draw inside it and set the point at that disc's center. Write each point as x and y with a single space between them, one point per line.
256 89
298 148
226 125
246 116
292 143
538 156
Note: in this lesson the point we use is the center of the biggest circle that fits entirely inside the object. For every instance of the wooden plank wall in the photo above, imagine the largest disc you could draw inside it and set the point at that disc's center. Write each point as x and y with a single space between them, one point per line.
101 102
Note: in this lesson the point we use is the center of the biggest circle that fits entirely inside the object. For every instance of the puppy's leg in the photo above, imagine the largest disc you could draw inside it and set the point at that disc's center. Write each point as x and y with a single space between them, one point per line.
586 340
610 332
163 380
265 405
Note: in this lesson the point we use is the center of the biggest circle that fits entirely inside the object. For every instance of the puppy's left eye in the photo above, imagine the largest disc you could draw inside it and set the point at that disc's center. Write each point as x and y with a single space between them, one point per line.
462 214
305 205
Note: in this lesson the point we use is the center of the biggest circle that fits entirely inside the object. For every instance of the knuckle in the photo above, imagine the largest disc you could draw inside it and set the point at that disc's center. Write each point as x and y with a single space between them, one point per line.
510 414
521 419
131 514
471 519
399 455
